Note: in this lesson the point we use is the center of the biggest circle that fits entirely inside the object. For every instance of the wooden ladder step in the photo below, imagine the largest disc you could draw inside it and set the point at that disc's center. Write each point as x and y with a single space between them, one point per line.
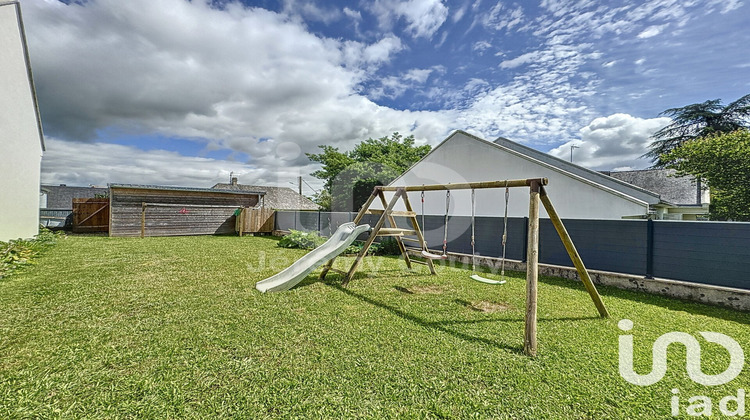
396 232
411 240
419 262
395 213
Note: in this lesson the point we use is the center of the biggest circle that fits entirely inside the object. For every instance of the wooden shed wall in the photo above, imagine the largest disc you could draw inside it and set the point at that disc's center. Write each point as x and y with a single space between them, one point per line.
174 212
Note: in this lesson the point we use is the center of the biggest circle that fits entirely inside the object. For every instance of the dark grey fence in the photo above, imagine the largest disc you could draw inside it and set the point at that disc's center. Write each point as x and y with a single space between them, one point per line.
715 253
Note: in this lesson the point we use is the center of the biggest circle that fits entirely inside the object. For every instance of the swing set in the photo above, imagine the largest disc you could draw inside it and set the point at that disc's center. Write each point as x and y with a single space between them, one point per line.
537 193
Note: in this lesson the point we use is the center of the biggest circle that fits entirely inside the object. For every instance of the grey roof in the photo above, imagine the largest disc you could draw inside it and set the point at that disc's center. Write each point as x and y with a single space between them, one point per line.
280 198
187 189
651 197
673 189
61 196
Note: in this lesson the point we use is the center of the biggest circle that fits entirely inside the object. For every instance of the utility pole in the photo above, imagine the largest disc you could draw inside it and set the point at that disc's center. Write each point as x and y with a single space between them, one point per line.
571 151
299 181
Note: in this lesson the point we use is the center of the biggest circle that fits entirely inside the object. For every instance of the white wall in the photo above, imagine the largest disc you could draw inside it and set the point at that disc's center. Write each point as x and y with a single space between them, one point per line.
21 155
464 158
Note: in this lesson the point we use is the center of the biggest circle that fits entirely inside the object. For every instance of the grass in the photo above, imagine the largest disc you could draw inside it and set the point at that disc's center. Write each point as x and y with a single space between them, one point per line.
173 328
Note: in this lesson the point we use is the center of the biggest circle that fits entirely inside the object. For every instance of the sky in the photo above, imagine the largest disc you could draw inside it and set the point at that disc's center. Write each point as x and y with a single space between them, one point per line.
185 93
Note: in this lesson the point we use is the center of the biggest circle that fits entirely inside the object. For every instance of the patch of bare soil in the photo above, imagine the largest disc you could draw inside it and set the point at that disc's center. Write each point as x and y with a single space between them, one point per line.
430 289
488 307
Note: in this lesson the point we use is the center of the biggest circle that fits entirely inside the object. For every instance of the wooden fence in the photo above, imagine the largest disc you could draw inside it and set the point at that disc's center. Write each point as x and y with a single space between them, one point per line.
90 215
255 220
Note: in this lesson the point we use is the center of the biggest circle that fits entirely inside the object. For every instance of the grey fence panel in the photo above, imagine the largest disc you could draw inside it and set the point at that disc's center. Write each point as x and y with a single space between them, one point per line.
307 221
703 252
488 237
285 220
610 245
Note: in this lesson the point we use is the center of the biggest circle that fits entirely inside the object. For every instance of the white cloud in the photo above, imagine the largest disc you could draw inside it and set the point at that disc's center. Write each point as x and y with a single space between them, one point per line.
183 69
651 31
522 59
501 17
423 17
311 11
112 163
616 141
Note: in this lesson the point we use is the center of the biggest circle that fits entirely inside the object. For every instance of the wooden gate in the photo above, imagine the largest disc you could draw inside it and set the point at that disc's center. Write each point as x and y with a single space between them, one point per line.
255 220
90 215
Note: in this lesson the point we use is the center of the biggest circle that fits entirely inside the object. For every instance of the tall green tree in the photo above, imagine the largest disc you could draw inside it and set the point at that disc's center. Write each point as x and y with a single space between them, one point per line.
698 120
350 176
723 161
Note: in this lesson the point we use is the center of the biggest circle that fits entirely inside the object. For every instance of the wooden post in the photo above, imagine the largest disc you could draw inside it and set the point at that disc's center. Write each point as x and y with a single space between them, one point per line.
373 234
392 223
573 254
357 219
420 237
532 272
143 220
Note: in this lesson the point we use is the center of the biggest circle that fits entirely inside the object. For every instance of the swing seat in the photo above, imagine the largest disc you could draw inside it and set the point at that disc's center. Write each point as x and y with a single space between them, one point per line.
481 279
431 256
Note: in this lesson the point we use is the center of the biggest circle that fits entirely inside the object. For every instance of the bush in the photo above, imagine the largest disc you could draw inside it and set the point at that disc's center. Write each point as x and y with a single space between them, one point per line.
19 252
301 240
387 246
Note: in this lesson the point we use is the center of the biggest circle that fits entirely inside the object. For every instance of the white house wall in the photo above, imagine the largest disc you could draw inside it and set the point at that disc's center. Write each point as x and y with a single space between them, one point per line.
19 133
463 158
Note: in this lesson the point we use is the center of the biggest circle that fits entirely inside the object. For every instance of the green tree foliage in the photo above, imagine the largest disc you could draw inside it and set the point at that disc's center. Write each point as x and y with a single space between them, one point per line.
350 176
723 161
698 120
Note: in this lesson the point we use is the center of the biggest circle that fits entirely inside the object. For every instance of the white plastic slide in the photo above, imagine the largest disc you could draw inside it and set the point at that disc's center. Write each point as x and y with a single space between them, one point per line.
335 245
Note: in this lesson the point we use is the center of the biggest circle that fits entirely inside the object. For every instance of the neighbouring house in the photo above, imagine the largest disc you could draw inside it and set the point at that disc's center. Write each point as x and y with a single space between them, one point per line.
576 192
277 198
154 210
56 203
20 131
61 196
683 198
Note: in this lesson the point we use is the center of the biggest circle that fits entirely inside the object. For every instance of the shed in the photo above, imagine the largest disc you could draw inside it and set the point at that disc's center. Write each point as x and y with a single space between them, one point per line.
153 210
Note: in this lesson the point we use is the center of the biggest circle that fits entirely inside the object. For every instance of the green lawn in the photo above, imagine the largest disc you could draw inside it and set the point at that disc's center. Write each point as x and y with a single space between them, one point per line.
173 328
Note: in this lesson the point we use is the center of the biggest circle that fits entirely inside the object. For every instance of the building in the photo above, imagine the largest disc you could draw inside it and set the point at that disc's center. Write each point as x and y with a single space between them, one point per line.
56 203
277 198
576 192
20 131
154 210
60 197
683 198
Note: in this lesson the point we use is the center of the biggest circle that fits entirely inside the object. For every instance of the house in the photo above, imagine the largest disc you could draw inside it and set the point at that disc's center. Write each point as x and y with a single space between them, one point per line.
20 131
60 197
56 203
577 192
277 198
683 198
155 210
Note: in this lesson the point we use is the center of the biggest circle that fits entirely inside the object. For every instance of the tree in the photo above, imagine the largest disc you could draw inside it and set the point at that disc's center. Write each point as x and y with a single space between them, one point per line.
698 120
723 161
350 176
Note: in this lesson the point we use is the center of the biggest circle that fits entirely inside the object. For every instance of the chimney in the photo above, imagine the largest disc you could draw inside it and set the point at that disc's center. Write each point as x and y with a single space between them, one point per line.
234 180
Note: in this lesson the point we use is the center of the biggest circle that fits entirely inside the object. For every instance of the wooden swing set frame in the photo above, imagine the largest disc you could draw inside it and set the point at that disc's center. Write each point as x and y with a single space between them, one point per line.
537 193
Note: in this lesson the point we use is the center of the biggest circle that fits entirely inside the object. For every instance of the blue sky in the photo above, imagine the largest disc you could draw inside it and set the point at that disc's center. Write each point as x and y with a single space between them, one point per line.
183 93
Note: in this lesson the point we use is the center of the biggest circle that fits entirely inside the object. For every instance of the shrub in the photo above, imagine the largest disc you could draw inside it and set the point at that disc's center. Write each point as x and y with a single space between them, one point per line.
302 240
19 252
387 246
